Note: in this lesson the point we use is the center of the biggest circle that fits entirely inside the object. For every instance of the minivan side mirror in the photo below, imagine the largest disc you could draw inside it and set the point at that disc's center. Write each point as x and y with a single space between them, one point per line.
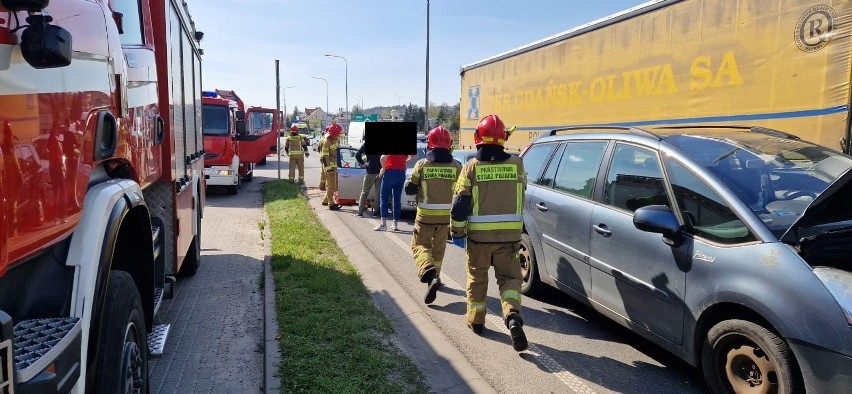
659 219
241 127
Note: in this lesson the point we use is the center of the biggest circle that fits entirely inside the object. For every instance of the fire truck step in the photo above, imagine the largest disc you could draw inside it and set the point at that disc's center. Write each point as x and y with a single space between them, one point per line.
158 299
39 342
157 340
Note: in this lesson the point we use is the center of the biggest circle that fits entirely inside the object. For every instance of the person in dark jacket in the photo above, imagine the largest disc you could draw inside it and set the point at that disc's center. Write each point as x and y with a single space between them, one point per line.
373 165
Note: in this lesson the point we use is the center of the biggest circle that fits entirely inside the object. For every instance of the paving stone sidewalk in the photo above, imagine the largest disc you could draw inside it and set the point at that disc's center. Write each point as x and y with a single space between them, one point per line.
216 339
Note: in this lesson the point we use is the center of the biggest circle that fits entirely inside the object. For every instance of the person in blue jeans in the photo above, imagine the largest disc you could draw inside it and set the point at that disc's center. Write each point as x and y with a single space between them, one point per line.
393 180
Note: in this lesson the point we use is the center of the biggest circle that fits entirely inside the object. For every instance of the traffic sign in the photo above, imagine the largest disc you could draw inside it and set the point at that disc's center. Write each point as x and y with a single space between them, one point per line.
365 117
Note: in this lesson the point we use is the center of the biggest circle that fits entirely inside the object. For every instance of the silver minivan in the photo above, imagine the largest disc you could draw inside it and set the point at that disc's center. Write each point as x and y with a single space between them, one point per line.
731 247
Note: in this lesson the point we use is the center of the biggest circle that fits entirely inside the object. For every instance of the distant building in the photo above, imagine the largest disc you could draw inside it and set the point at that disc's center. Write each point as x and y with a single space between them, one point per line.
316 118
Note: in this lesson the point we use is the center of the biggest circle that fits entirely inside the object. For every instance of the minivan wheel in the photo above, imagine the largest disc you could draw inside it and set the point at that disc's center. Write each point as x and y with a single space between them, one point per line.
530 281
743 357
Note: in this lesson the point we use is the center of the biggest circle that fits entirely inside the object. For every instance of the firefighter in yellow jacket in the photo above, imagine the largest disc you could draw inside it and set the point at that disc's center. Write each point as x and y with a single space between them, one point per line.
329 165
322 157
487 210
432 180
297 149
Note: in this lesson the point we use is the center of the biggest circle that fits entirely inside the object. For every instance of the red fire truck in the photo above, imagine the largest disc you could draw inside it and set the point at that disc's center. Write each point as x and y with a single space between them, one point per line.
100 187
223 123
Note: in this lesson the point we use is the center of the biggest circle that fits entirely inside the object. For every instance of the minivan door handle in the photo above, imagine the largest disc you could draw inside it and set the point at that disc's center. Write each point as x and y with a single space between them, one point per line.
541 207
601 229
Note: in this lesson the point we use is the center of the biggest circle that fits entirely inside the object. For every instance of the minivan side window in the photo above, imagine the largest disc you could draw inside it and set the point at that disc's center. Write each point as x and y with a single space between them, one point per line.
535 158
706 214
578 168
635 179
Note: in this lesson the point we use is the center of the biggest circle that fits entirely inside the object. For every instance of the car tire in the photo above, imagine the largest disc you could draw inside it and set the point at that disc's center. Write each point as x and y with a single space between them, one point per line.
122 341
249 177
740 355
530 280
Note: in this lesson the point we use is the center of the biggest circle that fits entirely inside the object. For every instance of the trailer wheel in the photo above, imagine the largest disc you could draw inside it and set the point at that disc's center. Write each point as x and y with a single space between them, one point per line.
743 357
123 342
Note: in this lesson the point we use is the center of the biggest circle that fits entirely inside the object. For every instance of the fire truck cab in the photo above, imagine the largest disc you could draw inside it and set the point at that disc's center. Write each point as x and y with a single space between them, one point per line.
223 122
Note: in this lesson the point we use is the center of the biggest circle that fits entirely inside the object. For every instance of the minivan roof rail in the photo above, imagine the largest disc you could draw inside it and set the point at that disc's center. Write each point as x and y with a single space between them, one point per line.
749 129
631 130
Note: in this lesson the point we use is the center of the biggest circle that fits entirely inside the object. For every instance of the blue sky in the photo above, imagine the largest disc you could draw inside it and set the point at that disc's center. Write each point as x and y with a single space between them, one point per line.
383 41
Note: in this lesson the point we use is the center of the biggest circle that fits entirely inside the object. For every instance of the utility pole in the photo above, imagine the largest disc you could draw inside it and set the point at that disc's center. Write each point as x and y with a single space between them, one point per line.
278 109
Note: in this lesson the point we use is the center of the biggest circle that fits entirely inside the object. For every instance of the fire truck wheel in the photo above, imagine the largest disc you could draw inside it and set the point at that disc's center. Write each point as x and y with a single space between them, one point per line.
193 257
249 176
122 342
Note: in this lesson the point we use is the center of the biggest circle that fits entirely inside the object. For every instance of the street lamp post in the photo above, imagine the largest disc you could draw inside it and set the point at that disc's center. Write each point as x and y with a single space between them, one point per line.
427 66
346 64
326 92
358 97
398 100
284 92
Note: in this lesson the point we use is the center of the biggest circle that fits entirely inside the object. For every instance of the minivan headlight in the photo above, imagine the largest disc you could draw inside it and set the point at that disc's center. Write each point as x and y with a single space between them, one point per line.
839 284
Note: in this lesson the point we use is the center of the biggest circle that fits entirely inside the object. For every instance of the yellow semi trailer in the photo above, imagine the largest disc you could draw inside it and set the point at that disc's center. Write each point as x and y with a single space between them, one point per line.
782 64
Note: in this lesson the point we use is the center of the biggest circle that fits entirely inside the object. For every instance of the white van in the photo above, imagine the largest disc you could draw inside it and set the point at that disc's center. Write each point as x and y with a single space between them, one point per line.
356 134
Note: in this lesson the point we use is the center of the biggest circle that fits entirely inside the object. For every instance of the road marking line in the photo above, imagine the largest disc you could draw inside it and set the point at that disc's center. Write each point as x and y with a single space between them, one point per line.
571 380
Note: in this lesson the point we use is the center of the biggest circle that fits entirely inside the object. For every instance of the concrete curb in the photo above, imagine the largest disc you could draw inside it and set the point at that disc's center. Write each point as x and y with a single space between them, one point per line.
271 351
447 370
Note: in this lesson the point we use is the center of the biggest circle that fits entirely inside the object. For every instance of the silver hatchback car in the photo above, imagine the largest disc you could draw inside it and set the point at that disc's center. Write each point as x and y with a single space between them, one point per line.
731 247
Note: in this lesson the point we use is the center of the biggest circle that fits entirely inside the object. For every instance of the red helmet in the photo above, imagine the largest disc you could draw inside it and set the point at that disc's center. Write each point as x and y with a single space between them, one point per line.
334 130
439 138
294 129
490 131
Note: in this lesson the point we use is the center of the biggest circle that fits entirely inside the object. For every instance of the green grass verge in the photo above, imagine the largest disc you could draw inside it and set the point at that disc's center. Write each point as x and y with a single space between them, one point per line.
332 337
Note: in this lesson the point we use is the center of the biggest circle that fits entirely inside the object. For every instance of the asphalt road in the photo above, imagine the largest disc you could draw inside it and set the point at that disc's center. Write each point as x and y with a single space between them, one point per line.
572 347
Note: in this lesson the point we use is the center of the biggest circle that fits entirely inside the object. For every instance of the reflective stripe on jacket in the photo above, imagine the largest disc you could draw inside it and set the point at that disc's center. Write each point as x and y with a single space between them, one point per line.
435 196
329 152
497 199
295 146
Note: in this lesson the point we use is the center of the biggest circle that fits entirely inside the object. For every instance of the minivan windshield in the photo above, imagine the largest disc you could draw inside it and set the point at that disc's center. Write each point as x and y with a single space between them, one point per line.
777 178
215 120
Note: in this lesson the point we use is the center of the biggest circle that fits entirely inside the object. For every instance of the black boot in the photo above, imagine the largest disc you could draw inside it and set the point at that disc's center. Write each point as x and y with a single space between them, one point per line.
515 325
431 291
476 327
428 275
334 207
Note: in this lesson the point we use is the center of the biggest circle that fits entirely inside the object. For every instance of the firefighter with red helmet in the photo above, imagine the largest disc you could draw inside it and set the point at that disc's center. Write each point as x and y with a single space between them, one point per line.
432 180
297 149
329 165
322 157
487 219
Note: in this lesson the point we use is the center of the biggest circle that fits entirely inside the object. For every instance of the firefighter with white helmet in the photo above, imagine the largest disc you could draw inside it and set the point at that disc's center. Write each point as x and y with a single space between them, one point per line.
297 149
329 165
432 180
487 218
